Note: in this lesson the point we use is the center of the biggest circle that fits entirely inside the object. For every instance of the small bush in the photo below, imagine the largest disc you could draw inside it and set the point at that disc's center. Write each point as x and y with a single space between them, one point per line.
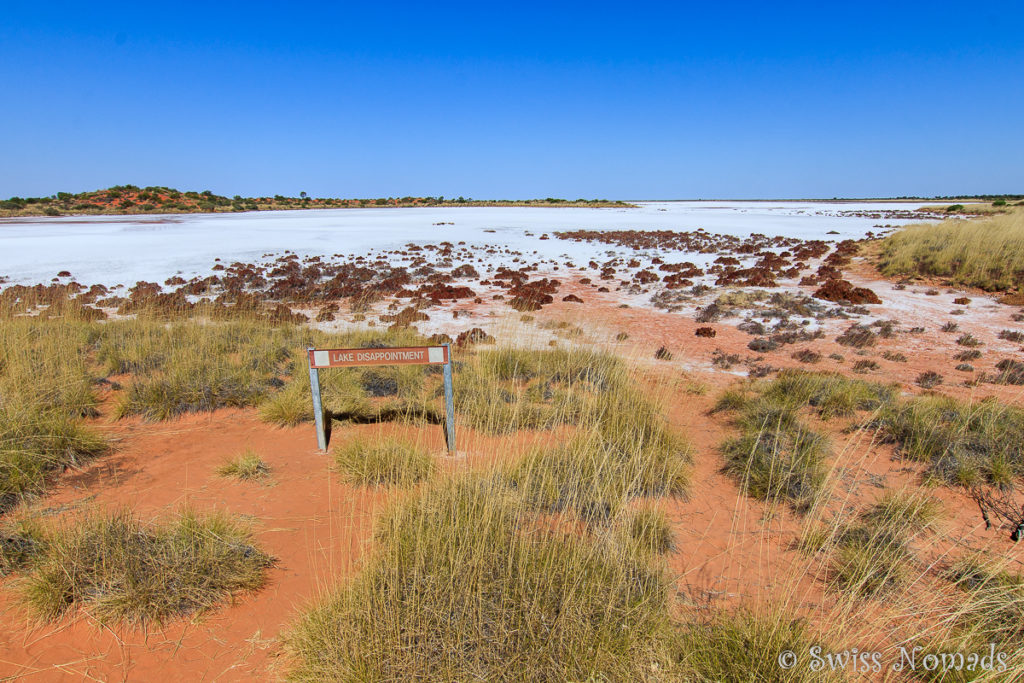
929 379
1012 335
121 569
858 336
388 461
968 339
894 356
949 327
246 466
865 366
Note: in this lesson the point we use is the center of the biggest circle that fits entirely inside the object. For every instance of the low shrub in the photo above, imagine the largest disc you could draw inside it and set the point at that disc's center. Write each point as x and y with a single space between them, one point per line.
858 336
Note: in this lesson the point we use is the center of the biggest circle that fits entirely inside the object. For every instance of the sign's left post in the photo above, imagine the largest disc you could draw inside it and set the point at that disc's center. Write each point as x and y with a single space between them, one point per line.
318 408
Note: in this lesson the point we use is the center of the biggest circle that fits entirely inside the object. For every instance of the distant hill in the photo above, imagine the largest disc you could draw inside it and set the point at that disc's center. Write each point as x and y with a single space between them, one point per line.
131 199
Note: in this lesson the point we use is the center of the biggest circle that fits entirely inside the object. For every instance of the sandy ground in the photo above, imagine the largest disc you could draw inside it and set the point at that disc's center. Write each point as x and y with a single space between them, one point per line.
730 549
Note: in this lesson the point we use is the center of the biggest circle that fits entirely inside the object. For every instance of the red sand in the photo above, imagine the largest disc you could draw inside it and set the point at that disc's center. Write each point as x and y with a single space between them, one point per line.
729 547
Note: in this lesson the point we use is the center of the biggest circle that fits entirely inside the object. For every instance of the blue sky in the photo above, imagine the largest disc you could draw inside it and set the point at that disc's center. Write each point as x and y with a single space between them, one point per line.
488 100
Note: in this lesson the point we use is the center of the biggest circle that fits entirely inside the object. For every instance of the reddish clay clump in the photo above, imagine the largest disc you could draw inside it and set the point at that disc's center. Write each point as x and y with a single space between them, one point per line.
843 291
473 336
572 298
439 292
705 332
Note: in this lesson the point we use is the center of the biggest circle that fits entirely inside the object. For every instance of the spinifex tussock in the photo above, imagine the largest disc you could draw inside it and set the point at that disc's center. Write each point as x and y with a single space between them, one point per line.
45 390
383 461
119 568
962 443
987 253
467 583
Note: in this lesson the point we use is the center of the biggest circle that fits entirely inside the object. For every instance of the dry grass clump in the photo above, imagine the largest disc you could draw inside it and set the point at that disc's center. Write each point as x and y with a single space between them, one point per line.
987 253
777 456
508 389
968 339
191 367
625 451
962 443
831 394
648 528
386 461
870 555
20 542
119 568
45 390
858 336
988 615
778 462
745 646
1012 335
865 366
806 356
467 584
246 467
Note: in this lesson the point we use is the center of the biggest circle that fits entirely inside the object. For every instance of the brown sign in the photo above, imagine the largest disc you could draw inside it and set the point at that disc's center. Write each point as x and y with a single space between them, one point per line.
346 358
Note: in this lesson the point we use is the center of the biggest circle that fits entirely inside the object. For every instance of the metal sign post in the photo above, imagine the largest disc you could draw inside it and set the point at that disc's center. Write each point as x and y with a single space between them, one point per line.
410 355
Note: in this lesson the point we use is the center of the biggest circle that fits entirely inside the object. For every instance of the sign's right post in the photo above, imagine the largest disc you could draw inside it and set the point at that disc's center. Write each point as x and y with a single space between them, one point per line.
449 401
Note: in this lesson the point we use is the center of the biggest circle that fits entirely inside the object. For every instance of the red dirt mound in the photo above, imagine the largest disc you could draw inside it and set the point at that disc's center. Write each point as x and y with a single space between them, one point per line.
844 291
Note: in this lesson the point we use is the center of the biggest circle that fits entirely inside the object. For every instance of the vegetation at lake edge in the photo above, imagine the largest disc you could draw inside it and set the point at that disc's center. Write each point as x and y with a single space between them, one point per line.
986 253
131 199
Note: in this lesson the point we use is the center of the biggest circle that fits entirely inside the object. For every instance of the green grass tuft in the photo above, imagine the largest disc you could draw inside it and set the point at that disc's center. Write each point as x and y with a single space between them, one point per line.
962 443
466 585
387 461
118 568
247 466
745 646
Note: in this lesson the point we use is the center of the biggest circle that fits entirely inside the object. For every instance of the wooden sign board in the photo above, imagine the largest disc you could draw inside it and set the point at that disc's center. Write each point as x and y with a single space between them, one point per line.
347 358
322 359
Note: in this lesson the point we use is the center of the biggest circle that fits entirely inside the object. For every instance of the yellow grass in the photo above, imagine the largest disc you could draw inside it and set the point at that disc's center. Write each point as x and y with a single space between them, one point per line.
987 253
550 565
